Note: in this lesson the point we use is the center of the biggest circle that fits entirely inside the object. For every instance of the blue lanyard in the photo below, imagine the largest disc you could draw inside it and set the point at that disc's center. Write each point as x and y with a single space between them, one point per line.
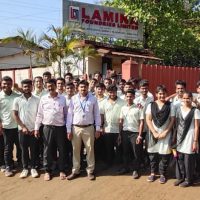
83 103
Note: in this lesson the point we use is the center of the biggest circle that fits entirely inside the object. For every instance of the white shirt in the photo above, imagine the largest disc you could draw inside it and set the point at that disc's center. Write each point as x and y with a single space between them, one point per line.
68 99
131 116
40 94
27 110
51 111
101 102
111 112
142 104
6 104
83 111
138 94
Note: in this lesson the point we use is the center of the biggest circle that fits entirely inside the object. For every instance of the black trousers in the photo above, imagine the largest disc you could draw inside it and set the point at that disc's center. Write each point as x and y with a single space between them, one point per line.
69 153
99 149
145 155
11 138
131 149
185 166
1 151
54 135
26 142
159 161
40 147
197 159
110 141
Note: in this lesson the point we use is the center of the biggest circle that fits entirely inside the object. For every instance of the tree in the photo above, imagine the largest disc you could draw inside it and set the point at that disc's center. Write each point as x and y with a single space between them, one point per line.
81 53
171 28
28 43
60 43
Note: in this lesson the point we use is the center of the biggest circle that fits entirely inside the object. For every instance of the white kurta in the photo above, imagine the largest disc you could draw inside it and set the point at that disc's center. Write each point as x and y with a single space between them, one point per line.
163 145
186 145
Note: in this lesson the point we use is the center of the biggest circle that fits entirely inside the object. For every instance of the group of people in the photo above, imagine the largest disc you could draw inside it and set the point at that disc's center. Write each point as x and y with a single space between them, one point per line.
55 120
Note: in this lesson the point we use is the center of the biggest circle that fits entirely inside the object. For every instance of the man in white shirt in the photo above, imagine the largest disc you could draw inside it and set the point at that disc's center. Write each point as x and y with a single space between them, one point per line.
60 84
52 113
142 102
127 86
110 114
176 98
197 102
25 111
70 91
131 123
197 95
46 77
68 77
99 93
120 90
83 113
39 91
98 76
38 87
8 124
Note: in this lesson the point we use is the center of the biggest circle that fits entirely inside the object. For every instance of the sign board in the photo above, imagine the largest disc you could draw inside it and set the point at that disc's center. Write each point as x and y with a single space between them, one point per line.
102 21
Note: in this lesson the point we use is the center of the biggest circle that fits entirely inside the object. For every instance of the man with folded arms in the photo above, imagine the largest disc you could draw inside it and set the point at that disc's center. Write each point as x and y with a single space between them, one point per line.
52 114
83 113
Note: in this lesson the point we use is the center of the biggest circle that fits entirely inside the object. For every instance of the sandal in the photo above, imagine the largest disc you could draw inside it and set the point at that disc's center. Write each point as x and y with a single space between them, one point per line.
62 176
47 176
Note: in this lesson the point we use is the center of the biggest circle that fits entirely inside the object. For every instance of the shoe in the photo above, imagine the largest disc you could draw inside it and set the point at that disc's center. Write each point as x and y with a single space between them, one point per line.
72 176
178 182
47 176
185 184
162 179
3 168
34 173
135 175
123 171
8 173
62 176
91 177
24 173
151 178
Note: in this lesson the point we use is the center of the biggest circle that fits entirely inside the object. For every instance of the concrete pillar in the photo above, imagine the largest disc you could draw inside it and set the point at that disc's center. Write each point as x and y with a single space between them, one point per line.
0 76
30 73
130 68
13 76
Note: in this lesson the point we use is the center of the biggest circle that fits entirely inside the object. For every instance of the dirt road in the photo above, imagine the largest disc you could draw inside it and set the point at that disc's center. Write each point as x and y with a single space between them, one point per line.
105 187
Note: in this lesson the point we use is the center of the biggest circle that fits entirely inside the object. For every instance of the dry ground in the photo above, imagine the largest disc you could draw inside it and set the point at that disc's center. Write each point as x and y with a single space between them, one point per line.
105 187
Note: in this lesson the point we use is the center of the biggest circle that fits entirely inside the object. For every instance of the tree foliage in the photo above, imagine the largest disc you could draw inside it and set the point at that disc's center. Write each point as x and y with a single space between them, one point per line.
171 28
59 44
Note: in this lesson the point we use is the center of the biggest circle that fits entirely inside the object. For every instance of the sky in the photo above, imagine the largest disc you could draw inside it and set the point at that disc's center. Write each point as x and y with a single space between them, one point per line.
37 15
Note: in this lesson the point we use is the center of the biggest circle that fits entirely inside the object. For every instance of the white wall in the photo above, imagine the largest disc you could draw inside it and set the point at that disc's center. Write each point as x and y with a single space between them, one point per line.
93 65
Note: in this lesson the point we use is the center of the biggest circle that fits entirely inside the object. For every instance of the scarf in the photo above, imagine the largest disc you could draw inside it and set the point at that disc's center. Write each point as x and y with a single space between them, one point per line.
184 125
160 116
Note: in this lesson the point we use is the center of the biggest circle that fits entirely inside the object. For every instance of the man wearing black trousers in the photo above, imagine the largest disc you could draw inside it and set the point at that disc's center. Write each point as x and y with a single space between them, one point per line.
9 126
52 114
24 111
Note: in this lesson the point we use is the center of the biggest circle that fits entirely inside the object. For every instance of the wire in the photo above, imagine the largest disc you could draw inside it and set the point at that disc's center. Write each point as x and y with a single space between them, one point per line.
29 18
21 4
36 14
